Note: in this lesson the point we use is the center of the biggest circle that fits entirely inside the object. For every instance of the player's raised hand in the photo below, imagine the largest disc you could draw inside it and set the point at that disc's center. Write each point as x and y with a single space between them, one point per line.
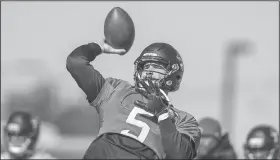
157 104
106 48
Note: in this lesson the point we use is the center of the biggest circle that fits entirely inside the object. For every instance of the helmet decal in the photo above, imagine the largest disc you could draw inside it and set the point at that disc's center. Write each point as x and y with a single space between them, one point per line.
169 83
175 67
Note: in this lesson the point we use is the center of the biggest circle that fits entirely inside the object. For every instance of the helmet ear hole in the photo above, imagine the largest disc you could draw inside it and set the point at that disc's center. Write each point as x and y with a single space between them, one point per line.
178 77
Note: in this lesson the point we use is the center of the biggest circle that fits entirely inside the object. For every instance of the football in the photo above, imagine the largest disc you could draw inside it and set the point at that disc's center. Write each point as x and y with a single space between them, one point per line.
119 29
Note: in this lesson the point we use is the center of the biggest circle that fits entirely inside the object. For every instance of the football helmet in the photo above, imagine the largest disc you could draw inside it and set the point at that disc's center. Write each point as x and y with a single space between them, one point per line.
20 134
164 55
261 143
211 135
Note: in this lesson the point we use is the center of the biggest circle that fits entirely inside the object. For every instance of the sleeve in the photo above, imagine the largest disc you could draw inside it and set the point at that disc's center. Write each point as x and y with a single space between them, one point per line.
87 78
180 139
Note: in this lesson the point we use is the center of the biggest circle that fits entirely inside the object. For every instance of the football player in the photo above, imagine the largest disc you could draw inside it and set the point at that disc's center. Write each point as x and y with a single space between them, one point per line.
137 121
213 143
262 143
20 137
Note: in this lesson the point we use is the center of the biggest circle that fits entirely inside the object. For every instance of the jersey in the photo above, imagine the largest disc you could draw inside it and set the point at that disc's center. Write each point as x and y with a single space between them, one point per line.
36 155
118 114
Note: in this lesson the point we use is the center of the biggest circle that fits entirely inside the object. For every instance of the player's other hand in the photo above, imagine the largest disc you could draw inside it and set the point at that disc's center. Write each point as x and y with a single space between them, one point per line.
157 104
106 48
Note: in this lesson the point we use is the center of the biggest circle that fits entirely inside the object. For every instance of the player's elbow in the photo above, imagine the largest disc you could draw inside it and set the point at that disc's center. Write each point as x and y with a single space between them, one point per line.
73 63
70 63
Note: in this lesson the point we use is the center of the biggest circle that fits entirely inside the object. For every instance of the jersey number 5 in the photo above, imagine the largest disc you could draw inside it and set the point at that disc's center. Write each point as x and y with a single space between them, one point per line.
144 127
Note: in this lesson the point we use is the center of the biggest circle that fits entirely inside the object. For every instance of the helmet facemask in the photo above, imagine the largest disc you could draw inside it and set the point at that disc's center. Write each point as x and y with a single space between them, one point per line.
259 154
151 70
256 149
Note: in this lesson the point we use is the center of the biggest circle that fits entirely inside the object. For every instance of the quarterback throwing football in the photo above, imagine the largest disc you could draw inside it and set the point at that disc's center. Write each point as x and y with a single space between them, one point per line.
137 121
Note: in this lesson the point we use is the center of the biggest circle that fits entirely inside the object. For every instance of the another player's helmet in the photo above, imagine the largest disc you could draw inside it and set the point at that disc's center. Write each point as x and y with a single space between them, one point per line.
21 134
211 135
261 143
166 55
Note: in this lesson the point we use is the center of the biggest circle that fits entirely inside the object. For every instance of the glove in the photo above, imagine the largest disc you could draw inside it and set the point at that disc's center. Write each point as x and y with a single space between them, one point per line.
157 104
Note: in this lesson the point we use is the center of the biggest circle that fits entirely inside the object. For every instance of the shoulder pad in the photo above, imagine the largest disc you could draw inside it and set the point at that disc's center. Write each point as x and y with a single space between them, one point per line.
116 82
107 89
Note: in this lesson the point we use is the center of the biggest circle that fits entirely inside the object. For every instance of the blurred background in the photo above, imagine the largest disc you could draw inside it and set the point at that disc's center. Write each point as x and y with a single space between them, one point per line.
230 51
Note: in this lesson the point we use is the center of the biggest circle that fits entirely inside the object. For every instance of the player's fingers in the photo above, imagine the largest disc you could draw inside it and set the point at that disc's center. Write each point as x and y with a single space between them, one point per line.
140 104
119 51
157 87
142 92
110 50
115 51
164 101
151 86
145 86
